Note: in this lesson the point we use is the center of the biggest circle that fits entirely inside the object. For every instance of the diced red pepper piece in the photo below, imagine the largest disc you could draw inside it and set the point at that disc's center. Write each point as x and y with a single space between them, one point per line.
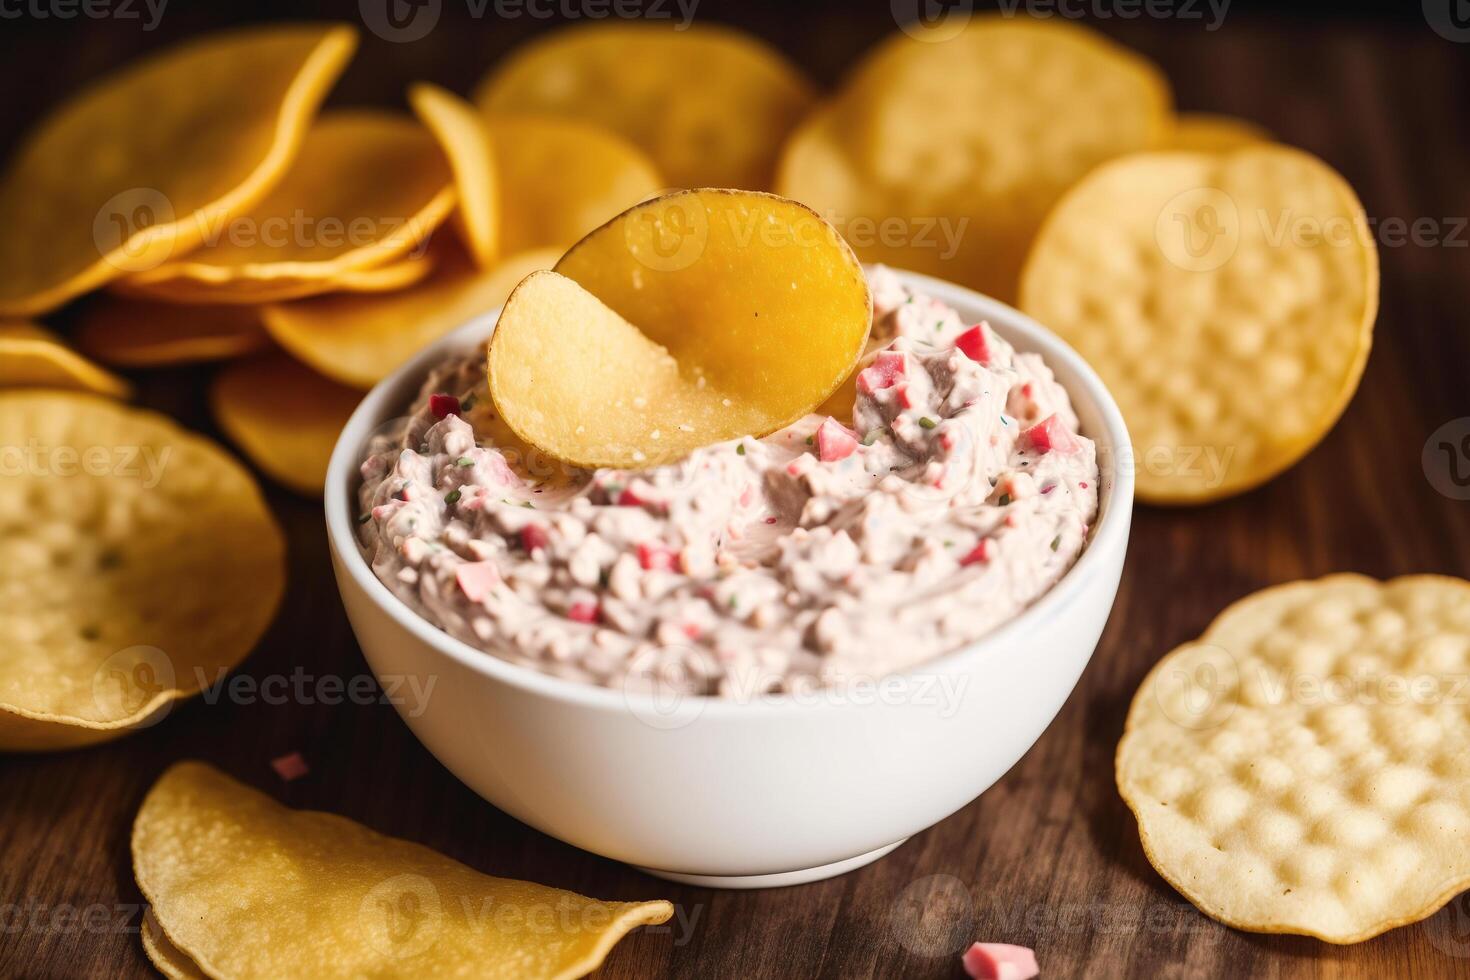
658 557
290 767
972 344
1050 435
983 551
534 536
629 498
476 579
441 405
1000 961
834 441
884 372
584 612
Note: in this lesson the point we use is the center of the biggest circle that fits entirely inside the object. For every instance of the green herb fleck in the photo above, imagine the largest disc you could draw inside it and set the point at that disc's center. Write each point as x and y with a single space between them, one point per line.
927 423
364 518
1056 542
872 436
740 449
451 497
1005 499
466 403
528 504
734 602
464 461
810 440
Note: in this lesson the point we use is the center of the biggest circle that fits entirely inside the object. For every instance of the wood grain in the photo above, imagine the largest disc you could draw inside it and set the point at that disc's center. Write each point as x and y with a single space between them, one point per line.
1049 857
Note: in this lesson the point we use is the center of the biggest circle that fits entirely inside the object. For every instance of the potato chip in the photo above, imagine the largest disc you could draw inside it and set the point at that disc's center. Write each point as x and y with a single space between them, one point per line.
368 187
33 357
1021 110
245 887
137 168
1206 132
166 958
708 104
463 136
693 318
1226 299
139 333
138 562
379 279
283 416
360 340
561 178
1303 766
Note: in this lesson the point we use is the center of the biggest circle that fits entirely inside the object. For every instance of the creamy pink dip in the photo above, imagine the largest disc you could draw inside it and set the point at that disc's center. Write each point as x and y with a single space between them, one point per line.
817 556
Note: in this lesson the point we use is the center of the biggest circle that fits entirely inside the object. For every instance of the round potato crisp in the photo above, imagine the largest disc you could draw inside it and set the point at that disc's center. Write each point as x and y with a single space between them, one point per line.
561 178
368 187
33 357
278 289
1227 300
137 562
284 416
708 104
139 333
360 340
1303 766
690 319
240 886
140 166
461 132
943 155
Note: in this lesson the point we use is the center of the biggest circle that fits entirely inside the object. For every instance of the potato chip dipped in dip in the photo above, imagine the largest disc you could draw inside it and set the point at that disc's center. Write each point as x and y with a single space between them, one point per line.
952 491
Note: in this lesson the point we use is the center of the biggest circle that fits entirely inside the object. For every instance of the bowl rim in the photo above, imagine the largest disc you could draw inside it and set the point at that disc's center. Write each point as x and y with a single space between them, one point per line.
1109 532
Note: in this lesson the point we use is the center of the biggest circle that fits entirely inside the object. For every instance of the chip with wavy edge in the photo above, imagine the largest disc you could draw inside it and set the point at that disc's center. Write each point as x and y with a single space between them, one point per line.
359 340
708 104
687 320
136 168
137 562
31 356
461 132
284 416
1227 300
141 333
367 188
1302 766
244 887
1027 107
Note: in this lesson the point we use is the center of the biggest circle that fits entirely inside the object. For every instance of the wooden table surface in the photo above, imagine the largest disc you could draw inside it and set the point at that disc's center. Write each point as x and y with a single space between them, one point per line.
1049 857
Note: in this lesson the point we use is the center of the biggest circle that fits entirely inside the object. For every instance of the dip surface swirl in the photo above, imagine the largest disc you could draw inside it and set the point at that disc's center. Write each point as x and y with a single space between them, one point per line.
828 553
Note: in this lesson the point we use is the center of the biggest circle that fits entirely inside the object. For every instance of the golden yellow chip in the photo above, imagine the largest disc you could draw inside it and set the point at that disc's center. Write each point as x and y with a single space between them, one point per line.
462 134
283 416
388 278
166 958
244 887
360 340
368 187
139 333
561 178
693 318
1206 132
137 168
1227 300
1019 110
1303 766
138 563
33 357
708 104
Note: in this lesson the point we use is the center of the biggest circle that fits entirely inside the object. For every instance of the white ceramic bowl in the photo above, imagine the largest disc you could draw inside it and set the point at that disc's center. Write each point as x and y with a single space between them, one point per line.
771 792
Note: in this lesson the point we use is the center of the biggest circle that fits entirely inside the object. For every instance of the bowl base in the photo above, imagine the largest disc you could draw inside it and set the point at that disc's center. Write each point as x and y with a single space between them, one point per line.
781 878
